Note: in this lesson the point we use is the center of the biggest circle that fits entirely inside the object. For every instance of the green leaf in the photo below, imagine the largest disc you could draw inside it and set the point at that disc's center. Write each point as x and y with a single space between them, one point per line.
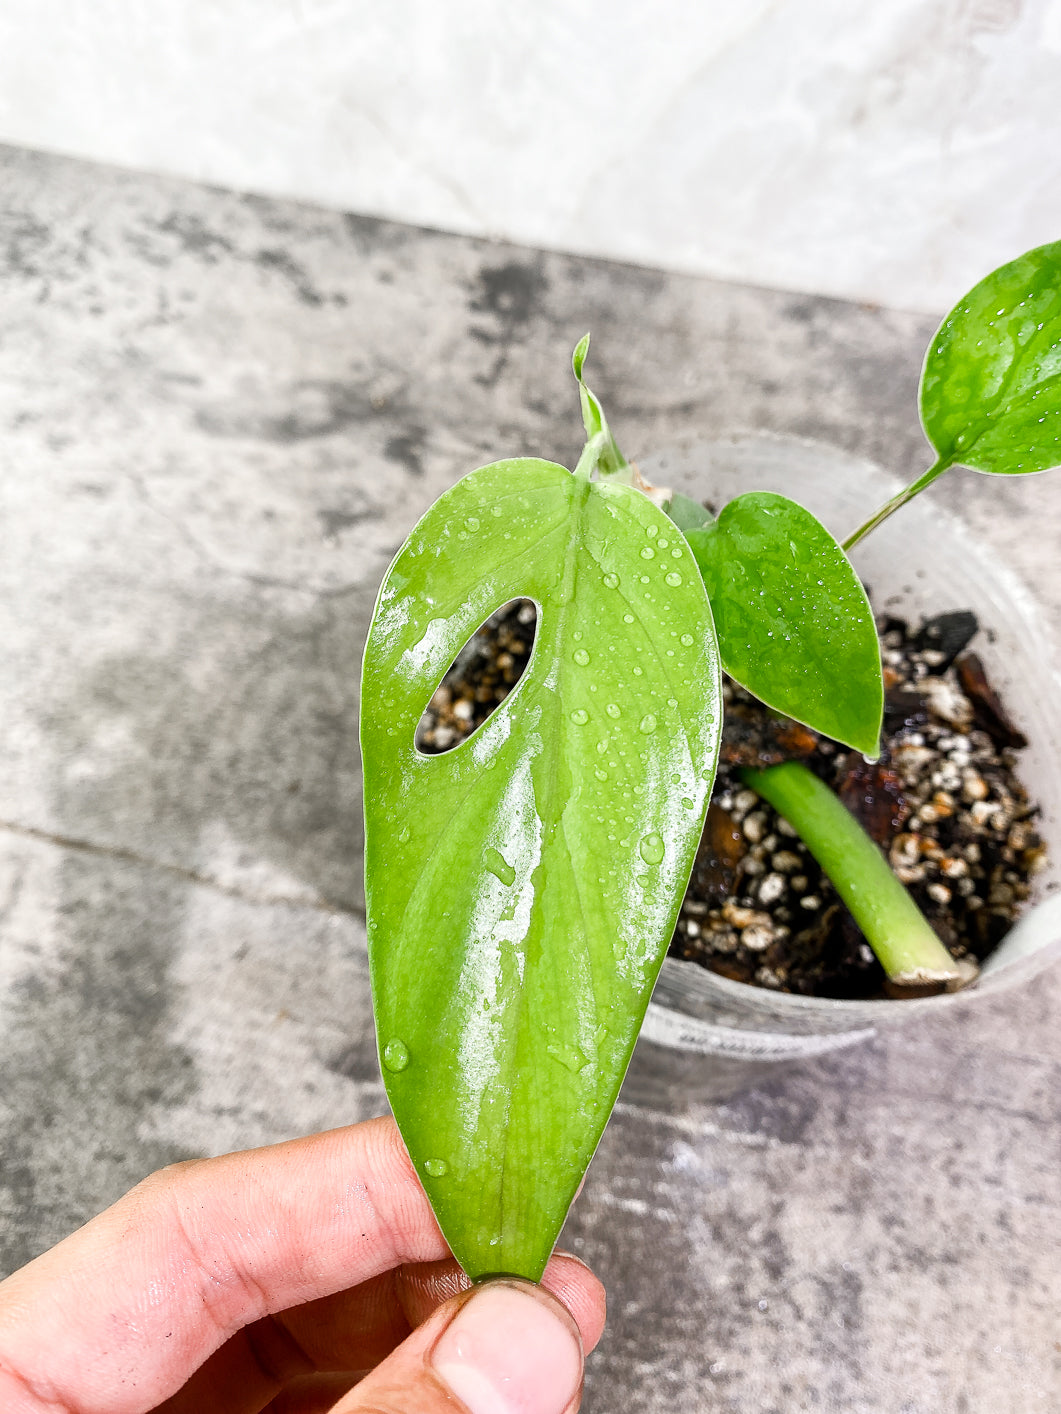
688 514
793 621
991 386
523 887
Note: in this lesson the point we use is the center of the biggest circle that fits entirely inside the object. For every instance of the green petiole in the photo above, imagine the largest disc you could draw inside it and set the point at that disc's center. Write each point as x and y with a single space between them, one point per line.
900 499
896 929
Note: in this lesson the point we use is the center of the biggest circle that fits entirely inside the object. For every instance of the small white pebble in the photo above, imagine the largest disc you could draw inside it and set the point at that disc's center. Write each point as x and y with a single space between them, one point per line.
771 889
947 777
784 828
785 861
809 901
745 800
754 826
904 851
693 929
463 710
743 917
948 702
444 736
757 937
982 811
799 882
939 892
953 868
974 787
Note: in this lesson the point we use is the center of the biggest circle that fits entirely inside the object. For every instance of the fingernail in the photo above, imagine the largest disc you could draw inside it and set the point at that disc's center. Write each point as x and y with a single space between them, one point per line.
509 1351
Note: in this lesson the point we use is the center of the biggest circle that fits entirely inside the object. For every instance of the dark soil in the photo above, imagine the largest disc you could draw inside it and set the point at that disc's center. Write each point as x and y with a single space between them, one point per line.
943 802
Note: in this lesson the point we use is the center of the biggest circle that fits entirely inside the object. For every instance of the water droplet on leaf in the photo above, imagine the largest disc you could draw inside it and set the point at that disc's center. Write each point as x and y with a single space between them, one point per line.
651 849
647 723
580 716
436 1168
396 1055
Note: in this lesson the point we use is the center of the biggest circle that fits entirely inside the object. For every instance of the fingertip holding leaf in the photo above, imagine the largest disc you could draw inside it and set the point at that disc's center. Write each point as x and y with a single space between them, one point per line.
522 888
794 624
991 384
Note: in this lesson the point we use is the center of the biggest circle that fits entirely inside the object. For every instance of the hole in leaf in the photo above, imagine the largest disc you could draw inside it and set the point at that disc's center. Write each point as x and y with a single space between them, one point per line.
479 679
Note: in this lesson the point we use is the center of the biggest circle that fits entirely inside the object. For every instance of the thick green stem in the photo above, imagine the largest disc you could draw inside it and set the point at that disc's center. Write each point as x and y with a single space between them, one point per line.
908 494
895 927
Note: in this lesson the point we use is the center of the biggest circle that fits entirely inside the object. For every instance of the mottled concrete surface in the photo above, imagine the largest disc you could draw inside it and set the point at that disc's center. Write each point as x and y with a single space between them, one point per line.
219 415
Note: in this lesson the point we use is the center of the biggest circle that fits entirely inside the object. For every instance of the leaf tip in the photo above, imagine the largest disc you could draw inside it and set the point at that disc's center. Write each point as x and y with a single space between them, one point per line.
578 358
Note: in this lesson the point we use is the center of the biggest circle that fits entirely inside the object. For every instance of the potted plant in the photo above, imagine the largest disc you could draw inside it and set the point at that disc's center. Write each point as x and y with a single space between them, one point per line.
523 887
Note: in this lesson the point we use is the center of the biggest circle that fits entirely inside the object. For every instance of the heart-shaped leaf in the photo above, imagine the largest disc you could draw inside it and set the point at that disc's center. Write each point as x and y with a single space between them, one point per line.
523 887
794 624
991 386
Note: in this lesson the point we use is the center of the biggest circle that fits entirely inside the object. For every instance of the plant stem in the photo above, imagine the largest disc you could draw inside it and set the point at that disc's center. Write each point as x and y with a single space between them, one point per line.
908 494
895 927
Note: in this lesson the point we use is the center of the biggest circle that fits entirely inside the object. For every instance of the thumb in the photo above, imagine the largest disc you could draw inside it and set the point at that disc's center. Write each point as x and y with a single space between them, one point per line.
506 1347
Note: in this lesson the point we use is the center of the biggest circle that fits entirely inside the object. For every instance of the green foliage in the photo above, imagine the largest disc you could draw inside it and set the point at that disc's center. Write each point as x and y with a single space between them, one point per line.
523 887
991 386
794 624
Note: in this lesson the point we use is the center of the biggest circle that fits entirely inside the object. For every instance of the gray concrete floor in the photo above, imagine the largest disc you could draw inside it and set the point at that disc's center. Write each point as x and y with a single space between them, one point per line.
220 414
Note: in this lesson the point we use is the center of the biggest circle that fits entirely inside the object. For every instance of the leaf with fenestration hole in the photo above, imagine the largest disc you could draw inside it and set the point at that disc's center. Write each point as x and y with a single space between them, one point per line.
794 624
522 888
991 385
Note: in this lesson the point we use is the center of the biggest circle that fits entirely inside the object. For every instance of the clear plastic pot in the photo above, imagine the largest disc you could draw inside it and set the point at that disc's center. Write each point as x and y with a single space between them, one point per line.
920 562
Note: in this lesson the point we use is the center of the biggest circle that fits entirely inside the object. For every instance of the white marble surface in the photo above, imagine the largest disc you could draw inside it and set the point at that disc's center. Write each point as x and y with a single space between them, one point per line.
892 152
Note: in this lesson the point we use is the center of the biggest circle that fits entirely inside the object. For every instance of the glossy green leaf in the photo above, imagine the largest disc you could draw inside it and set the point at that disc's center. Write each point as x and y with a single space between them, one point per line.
991 386
794 624
522 888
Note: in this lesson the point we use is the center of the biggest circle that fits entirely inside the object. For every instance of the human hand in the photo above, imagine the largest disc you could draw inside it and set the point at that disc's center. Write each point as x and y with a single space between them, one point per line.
298 1279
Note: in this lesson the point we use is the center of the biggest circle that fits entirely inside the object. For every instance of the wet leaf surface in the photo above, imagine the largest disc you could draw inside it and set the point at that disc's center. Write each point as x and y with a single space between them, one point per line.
794 624
523 886
991 386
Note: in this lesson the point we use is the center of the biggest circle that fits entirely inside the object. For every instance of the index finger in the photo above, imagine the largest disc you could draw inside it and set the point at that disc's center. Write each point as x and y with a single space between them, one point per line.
115 1318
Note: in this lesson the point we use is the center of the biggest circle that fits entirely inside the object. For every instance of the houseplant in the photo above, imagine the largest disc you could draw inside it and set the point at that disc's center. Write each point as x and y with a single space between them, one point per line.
523 887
